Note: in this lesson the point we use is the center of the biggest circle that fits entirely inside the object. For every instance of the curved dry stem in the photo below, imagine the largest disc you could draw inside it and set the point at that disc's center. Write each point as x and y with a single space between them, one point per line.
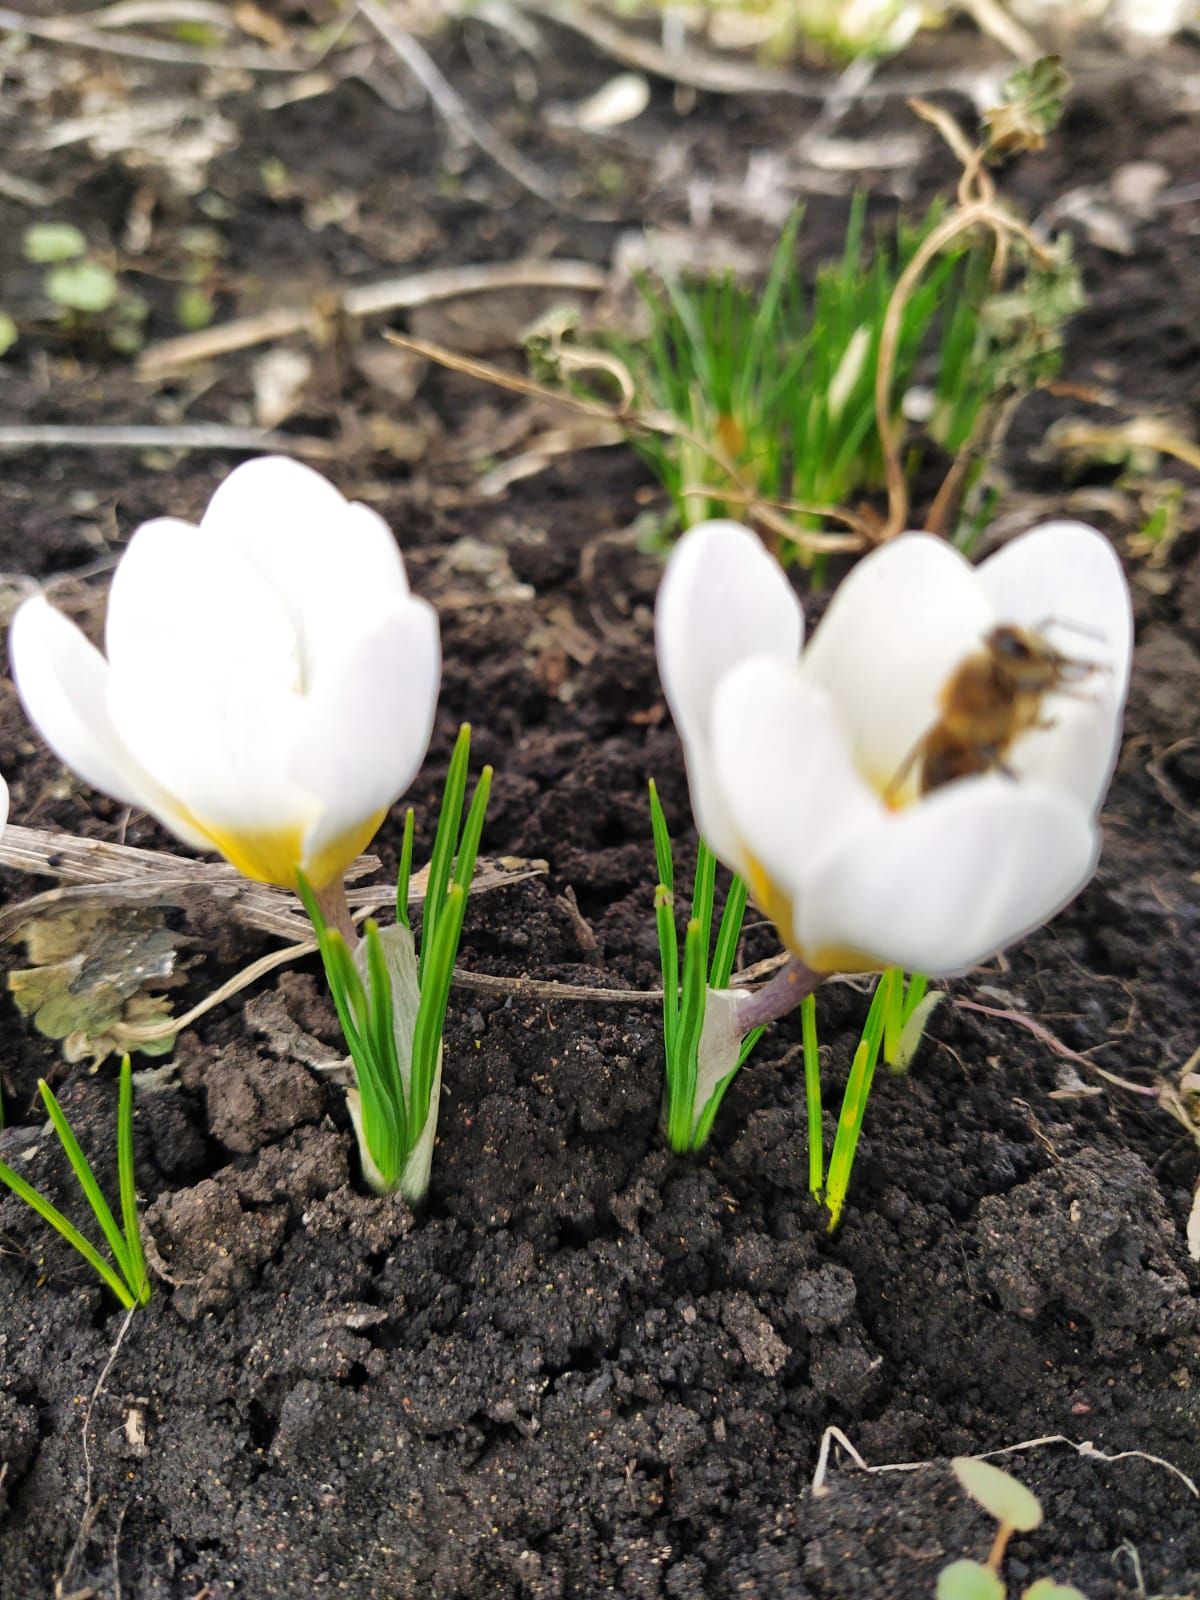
1004 227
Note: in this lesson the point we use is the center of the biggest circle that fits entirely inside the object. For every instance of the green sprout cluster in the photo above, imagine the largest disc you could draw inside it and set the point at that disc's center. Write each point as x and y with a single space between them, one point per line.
1016 1510
82 288
782 376
690 1107
895 1024
124 1269
391 997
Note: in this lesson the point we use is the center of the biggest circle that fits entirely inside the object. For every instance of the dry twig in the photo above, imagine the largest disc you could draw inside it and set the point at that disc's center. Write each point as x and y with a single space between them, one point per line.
462 118
90 1508
977 207
368 300
768 512
188 436
723 74
75 32
834 1435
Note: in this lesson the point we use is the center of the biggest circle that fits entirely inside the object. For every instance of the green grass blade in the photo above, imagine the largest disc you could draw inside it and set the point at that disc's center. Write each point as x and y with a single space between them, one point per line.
668 957
918 983
404 875
729 933
668 940
86 1179
441 861
139 1278
682 1089
311 905
892 984
51 1214
431 1012
439 943
854 1103
812 1095
703 893
662 841
472 834
382 1034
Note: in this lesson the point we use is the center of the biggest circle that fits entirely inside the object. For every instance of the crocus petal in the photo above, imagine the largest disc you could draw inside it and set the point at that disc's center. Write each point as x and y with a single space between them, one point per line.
203 683
62 680
329 560
899 625
722 598
3 805
1064 580
792 790
946 883
365 732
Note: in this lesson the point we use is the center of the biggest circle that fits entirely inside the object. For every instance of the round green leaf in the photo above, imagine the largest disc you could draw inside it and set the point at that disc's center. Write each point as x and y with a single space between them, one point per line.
45 242
968 1580
193 309
1047 1589
1010 1502
82 286
9 333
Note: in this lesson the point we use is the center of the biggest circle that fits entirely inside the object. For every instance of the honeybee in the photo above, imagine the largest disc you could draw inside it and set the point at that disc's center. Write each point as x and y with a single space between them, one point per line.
990 700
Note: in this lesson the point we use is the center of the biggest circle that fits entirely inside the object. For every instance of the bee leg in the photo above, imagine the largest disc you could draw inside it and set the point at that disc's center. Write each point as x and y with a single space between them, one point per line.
910 760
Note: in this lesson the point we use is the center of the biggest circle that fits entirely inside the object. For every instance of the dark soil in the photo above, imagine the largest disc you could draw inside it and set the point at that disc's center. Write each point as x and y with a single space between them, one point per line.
592 1369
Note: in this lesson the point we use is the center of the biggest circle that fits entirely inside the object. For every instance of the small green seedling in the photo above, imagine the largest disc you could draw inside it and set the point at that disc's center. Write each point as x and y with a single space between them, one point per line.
125 1274
894 1027
391 998
697 1075
1016 1510
778 381
84 289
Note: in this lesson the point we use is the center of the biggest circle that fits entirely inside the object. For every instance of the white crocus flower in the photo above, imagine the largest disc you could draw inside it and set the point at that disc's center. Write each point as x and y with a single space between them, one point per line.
3 805
270 682
802 768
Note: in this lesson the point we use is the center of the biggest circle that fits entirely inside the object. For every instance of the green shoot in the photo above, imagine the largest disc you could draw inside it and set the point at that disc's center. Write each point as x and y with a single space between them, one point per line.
895 1023
1016 1510
812 1095
781 378
391 995
702 1049
124 1271
854 1099
909 1008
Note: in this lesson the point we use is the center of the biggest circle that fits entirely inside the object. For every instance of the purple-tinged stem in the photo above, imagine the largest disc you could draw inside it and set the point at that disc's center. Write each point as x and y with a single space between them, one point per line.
785 991
336 910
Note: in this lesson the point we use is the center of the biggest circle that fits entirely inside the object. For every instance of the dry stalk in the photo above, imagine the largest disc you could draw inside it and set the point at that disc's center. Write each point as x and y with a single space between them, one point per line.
768 512
90 1507
705 70
976 207
74 31
188 436
834 1435
368 300
466 123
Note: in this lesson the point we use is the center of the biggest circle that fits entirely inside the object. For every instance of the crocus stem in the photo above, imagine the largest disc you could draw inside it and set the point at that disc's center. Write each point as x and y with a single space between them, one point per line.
336 910
785 991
